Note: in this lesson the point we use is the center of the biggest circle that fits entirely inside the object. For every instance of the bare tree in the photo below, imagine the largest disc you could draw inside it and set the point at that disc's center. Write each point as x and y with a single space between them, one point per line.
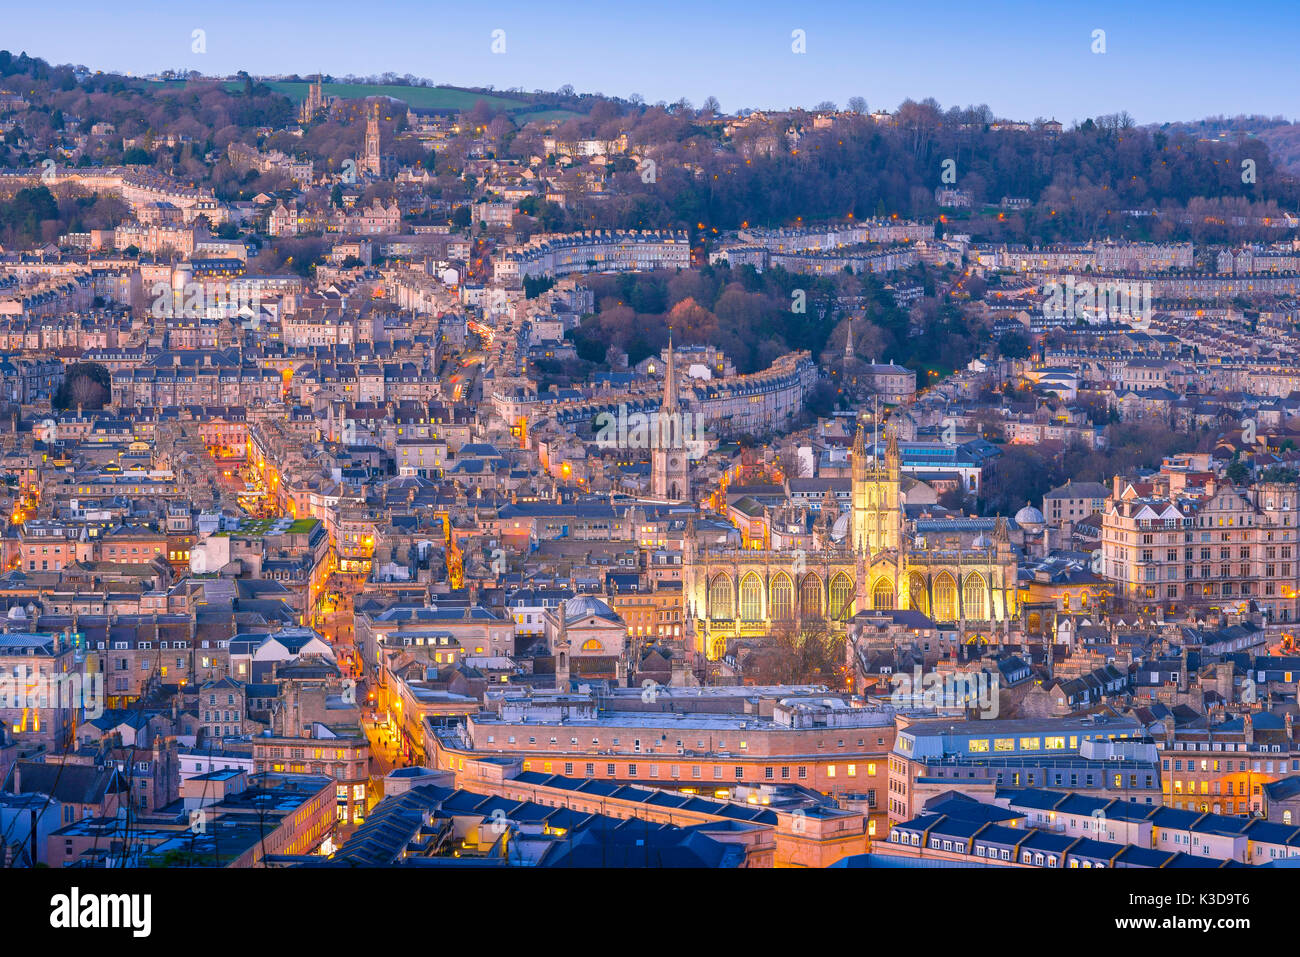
806 652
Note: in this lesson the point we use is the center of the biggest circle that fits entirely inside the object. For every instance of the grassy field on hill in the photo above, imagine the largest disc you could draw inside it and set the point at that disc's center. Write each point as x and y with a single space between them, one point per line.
419 97
440 98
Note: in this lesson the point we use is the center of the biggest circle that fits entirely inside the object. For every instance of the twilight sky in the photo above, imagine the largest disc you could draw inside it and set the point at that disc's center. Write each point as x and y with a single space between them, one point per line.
1024 58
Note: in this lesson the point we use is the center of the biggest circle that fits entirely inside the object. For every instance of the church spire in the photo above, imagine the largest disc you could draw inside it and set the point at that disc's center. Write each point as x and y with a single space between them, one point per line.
669 471
848 343
670 380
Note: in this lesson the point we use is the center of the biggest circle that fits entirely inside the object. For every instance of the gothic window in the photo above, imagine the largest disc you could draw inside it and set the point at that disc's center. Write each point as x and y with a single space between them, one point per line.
810 597
721 604
882 594
945 598
975 597
751 598
782 608
918 598
841 597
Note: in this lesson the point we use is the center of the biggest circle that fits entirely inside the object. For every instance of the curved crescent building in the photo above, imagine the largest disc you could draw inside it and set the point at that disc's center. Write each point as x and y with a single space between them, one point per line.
872 557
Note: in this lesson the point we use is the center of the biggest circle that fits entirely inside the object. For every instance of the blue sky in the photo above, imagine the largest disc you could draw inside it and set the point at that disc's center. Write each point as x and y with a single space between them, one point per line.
1163 60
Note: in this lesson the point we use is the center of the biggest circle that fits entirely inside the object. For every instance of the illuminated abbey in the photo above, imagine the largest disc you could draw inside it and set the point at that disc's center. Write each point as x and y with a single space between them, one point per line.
872 557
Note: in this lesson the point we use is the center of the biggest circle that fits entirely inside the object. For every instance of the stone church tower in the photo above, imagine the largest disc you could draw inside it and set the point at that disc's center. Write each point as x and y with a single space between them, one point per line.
314 104
372 162
877 522
669 463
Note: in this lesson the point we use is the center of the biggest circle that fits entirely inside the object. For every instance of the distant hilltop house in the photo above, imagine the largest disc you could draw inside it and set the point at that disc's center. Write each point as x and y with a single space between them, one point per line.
377 219
952 198
243 157
588 147
284 219
893 383
1248 261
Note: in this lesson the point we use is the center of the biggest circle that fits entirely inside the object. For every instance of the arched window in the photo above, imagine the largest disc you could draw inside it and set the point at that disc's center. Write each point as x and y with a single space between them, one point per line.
721 601
882 594
945 598
841 597
592 646
975 597
917 595
810 596
782 598
751 598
